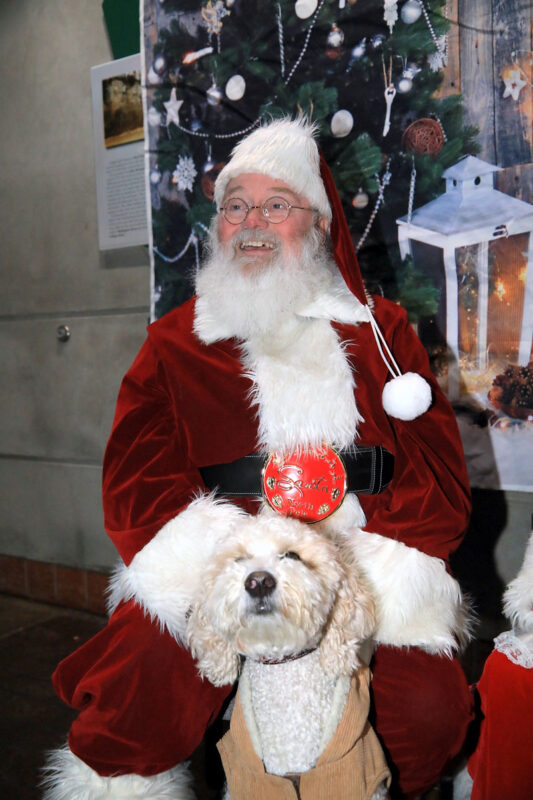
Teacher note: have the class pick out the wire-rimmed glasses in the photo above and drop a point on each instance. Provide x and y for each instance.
(275, 209)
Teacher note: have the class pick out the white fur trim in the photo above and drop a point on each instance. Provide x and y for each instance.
(68, 778)
(165, 575)
(417, 602)
(299, 376)
(406, 396)
(337, 304)
(518, 597)
(286, 150)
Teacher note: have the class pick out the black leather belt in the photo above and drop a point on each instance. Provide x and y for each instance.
(369, 470)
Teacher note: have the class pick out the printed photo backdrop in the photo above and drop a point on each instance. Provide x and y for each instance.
(425, 115)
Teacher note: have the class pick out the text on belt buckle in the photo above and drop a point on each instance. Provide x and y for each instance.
(309, 485)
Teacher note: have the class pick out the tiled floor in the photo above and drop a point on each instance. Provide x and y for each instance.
(34, 637)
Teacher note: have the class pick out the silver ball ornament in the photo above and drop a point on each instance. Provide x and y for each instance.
(341, 123)
(155, 177)
(360, 200)
(335, 37)
(154, 117)
(411, 11)
(405, 84)
(152, 77)
(159, 65)
(304, 8)
(214, 95)
(359, 50)
(235, 87)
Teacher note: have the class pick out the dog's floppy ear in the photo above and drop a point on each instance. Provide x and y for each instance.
(351, 622)
(217, 659)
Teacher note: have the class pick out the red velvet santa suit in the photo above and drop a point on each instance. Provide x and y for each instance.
(184, 404)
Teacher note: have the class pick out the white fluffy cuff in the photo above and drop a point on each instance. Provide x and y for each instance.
(164, 576)
(417, 602)
(68, 778)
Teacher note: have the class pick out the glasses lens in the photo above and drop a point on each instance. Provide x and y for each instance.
(235, 210)
(276, 209)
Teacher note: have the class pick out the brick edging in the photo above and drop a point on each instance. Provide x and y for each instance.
(53, 583)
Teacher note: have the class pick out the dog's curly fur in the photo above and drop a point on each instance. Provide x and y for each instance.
(317, 601)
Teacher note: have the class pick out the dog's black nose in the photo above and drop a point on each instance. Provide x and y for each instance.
(260, 584)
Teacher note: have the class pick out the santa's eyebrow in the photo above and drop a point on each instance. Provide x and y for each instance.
(285, 190)
(275, 189)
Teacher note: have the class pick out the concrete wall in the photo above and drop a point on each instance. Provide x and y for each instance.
(57, 400)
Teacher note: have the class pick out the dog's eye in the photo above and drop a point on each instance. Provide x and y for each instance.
(291, 554)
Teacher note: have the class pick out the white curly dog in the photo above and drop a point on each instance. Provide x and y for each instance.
(283, 596)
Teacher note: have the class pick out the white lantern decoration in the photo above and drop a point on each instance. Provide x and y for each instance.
(472, 214)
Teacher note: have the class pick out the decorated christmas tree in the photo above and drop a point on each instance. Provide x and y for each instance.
(366, 72)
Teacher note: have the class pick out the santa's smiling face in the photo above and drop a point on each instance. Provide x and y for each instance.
(256, 241)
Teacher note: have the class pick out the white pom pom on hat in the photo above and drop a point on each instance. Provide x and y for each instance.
(407, 396)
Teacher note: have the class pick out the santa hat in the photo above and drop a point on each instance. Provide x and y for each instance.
(286, 149)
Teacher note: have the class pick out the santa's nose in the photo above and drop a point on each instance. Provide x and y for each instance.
(260, 584)
(256, 218)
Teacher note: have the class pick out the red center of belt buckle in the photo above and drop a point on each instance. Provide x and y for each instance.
(310, 485)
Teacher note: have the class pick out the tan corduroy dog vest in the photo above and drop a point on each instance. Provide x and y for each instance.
(350, 768)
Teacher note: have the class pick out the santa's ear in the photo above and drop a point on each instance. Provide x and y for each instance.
(351, 623)
(217, 659)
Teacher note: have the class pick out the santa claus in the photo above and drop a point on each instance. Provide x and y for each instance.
(280, 352)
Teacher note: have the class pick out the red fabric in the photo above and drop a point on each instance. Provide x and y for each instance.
(422, 708)
(143, 707)
(502, 763)
(183, 405)
(343, 249)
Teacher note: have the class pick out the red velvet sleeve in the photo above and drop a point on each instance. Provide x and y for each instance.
(428, 505)
(147, 476)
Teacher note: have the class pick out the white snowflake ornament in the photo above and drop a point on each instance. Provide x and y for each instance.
(439, 58)
(514, 83)
(212, 14)
(184, 174)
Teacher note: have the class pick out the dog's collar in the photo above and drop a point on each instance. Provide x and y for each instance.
(285, 659)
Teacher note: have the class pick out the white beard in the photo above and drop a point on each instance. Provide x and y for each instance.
(235, 303)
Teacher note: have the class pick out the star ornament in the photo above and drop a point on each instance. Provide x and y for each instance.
(173, 108)
(514, 82)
